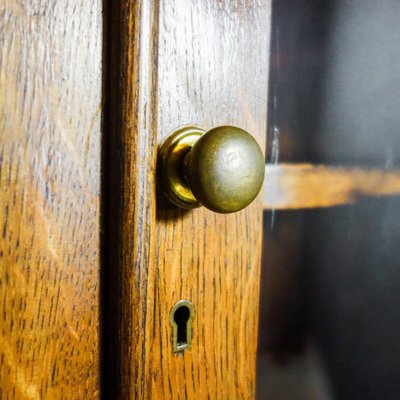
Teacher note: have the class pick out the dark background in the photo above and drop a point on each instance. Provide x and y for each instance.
(332, 276)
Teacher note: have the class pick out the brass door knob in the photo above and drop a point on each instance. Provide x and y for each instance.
(222, 169)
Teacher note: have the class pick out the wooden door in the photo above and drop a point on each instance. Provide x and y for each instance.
(144, 68)
(177, 62)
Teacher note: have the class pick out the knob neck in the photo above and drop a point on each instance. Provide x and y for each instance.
(171, 166)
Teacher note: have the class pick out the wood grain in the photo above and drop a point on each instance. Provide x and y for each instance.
(181, 62)
(129, 200)
(297, 186)
(50, 106)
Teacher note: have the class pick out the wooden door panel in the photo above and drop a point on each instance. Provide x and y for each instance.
(177, 62)
(50, 106)
(213, 70)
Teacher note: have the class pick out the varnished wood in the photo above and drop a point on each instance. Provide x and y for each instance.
(181, 62)
(296, 186)
(129, 203)
(50, 107)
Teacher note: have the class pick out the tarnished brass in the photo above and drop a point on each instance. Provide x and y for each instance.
(222, 169)
(170, 166)
(188, 308)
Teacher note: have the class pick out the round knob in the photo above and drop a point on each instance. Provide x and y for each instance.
(222, 169)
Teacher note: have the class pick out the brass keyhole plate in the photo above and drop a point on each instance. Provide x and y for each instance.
(181, 318)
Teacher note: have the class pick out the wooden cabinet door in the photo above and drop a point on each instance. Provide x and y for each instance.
(50, 112)
(80, 323)
(178, 62)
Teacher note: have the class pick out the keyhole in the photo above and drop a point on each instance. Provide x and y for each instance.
(181, 320)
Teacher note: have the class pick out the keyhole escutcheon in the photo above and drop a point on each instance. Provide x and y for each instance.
(181, 318)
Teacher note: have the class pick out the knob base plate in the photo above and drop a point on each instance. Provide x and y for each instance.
(170, 166)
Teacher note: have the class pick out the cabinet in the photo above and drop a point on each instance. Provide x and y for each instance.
(92, 257)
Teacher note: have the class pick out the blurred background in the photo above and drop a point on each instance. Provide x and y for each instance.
(330, 292)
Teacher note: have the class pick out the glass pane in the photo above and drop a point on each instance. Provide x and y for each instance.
(330, 304)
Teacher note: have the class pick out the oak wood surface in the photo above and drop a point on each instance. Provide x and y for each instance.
(296, 186)
(50, 107)
(178, 62)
